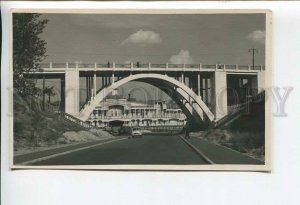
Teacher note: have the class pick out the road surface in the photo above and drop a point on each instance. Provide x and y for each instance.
(151, 149)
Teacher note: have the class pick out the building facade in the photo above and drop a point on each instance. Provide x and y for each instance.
(121, 111)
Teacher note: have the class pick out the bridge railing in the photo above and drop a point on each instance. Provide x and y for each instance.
(144, 65)
(45, 65)
(58, 65)
(75, 120)
(230, 67)
(237, 110)
(243, 67)
(86, 65)
(123, 65)
(176, 65)
(150, 66)
(135, 117)
(158, 65)
(192, 66)
(209, 66)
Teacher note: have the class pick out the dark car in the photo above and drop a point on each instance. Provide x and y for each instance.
(115, 130)
(124, 130)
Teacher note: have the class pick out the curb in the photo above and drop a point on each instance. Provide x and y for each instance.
(202, 155)
(67, 152)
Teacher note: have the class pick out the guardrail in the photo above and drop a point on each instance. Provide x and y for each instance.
(153, 66)
(164, 128)
(135, 117)
(75, 120)
(238, 110)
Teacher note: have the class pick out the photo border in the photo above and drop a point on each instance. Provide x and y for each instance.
(214, 167)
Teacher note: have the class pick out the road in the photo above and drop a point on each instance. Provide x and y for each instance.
(151, 149)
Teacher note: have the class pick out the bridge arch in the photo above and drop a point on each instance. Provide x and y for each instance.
(193, 103)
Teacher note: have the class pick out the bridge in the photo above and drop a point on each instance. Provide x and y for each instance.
(203, 92)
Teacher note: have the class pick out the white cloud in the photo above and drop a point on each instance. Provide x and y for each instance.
(182, 57)
(127, 61)
(143, 37)
(257, 36)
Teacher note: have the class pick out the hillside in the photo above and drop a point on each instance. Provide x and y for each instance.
(33, 128)
(245, 134)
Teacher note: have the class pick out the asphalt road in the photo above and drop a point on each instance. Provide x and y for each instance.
(151, 149)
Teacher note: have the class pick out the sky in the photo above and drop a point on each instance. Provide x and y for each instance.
(154, 38)
(173, 38)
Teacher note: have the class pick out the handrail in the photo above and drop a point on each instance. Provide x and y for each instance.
(240, 109)
(75, 120)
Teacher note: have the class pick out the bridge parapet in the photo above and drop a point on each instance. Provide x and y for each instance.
(150, 67)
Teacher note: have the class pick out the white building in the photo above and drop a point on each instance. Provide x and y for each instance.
(116, 109)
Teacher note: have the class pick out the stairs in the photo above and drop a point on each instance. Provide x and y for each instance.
(239, 110)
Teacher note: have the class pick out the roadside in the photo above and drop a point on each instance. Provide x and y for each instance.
(220, 154)
(53, 152)
(36, 130)
(244, 143)
(245, 134)
(68, 138)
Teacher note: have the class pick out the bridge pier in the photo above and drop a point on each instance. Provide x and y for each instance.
(219, 94)
(72, 91)
(62, 94)
(260, 81)
(95, 84)
(113, 77)
(44, 82)
(198, 84)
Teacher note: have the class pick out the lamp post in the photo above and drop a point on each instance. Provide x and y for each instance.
(253, 51)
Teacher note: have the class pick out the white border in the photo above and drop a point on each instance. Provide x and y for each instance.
(35, 187)
(235, 167)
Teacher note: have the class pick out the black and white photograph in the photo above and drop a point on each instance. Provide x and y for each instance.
(140, 89)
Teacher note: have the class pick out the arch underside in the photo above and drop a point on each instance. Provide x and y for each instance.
(191, 104)
(194, 119)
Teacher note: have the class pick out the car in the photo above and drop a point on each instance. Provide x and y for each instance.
(108, 129)
(115, 130)
(136, 132)
(125, 130)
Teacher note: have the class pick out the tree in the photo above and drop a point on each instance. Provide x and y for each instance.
(28, 50)
(50, 92)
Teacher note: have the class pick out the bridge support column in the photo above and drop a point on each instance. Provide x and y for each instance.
(44, 82)
(182, 78)
(62, 94)
(87, 88)
(91, 87)
(113, 78)
(207, 90)
(95, 84)
(198, 85)
(72, 91)
(260, 81)
(219, 94)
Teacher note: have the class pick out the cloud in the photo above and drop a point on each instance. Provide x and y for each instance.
(257, 36)
(143, 37)
(127, 61)
(182, 57)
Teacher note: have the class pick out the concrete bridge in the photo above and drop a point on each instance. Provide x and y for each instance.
(203, 92)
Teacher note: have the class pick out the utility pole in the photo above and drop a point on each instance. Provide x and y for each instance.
(253, 51)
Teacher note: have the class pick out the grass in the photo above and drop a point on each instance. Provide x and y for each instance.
(34, 128)
(246, 134)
